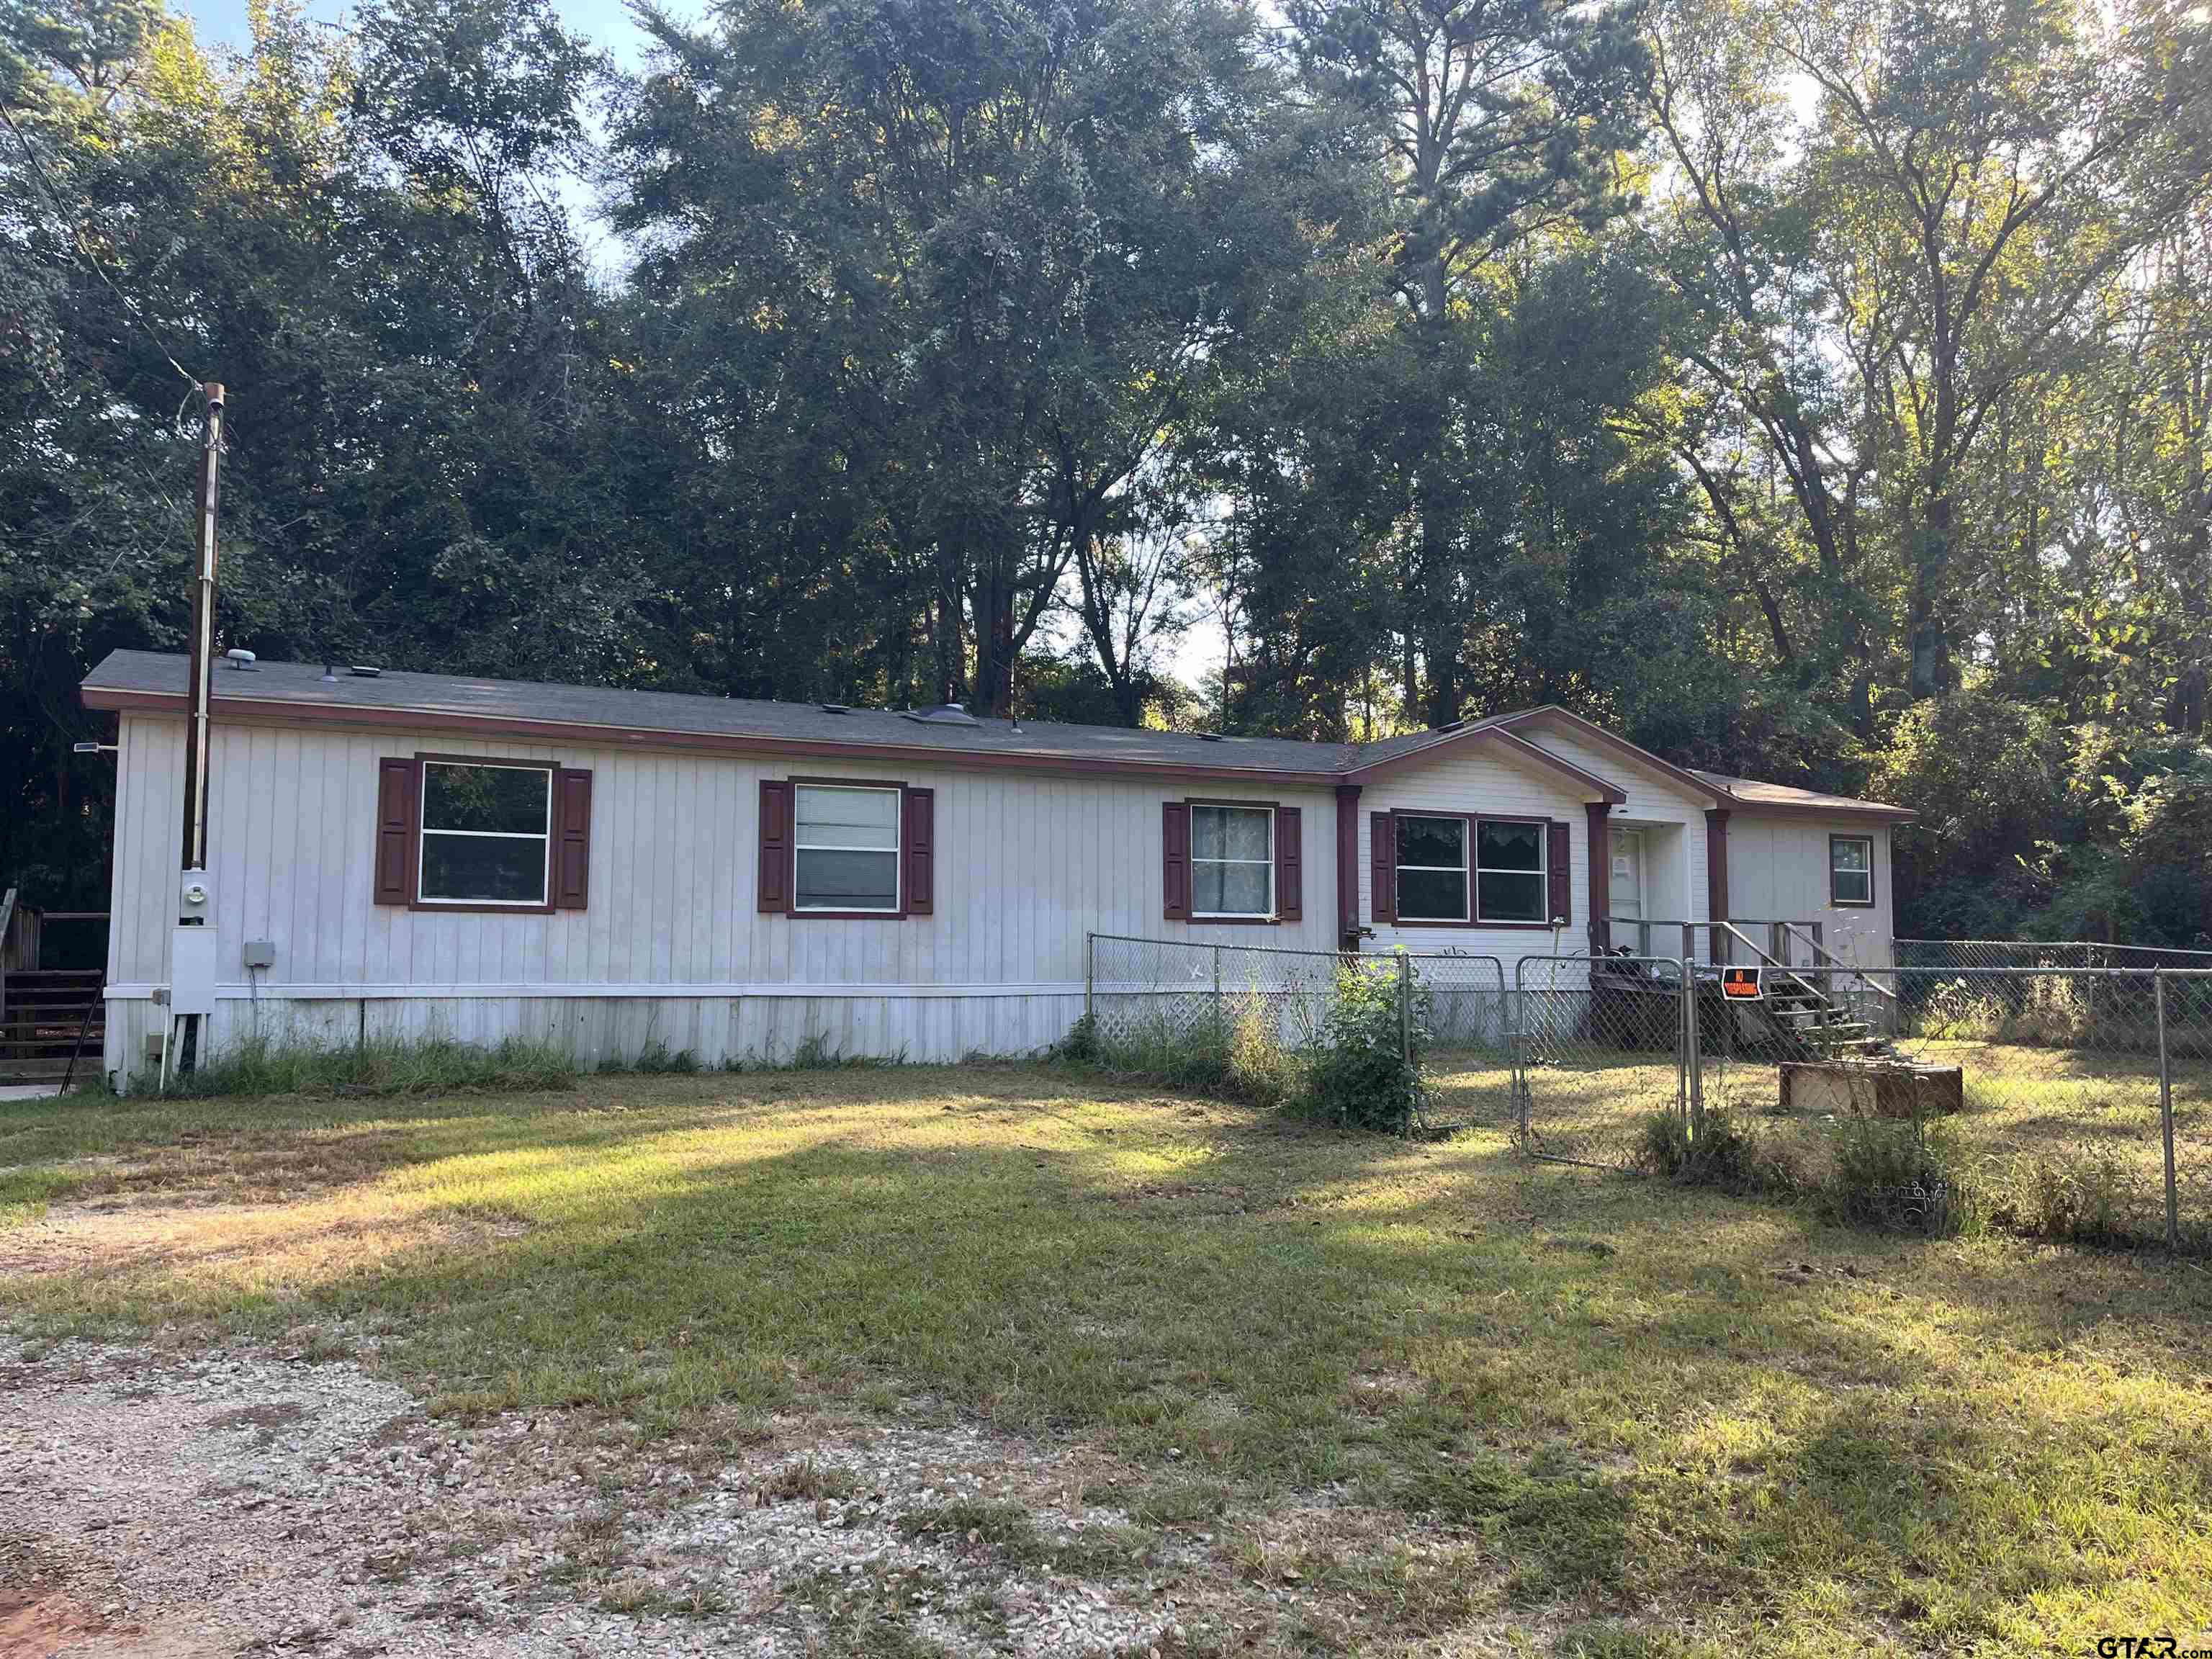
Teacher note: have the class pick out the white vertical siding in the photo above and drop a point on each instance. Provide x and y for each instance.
(1026, 866)
(1778, 872)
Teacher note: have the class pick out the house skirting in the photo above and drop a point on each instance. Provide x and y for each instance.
(610, 1026)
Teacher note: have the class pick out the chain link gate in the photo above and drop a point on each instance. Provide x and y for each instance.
(1600, 1045)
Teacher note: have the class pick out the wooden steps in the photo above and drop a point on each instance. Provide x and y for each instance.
(1812, 1024)
(50, 1015)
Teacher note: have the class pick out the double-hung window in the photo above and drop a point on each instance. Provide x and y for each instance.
(1851, 870)
(1232, 861)
(846, 842)
(1459, 868)
(1432, 869)
(487, 832)
(1510, 875)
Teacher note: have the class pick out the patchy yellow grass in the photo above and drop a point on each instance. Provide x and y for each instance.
(1642, 1419)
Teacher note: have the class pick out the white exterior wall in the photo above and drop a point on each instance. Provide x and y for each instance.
(1674, 884)
(671, 949)
(1778, 872)
(1466, 778)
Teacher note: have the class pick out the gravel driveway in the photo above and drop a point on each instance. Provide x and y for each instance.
(216, 1501)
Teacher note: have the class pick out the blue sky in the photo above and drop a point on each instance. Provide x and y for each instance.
(605, 23)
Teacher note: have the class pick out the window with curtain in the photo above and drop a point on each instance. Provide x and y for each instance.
(1232, 861)
(1850, 870)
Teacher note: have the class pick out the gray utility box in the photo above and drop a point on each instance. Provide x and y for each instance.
(1871, 1088)
(192, 970)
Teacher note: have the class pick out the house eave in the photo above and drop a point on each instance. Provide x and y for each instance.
(287, 713)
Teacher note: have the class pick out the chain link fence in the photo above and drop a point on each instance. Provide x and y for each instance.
(1953, 953)
(1185, 1009)
(1599, 1052)
(2067, 1101)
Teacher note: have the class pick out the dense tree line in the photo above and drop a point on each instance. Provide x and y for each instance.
(1820, 389)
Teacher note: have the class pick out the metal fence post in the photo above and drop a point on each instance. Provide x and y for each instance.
(1406, 1030)
(1218, 1028)
(2165, 1113)
(1516, 1011)
(1692, 1056)
(1090, 982)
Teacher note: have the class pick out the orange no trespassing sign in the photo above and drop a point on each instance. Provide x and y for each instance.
(1741, 984)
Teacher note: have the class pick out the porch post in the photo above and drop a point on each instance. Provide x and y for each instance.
(1716, 892)
(1600, 876)
(1347, 866)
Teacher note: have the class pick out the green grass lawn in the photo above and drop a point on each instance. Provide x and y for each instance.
(1634, 1419)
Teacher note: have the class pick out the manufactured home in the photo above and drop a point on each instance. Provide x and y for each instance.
(432, 854)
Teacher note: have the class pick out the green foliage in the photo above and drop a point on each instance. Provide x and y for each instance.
(1366, 1069)
(2038, 1012)
(1238, 1056)
(657, 1059)
(1351, 1069)
(1861, 1171)
(379, 1067)
(978, 351)
(1897, 1176)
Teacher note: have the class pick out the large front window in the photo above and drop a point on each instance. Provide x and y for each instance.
(1232, 861)
(847, 841)
(486, 829)
(1452, 868)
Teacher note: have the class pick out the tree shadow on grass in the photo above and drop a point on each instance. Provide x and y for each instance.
(1629, 1394)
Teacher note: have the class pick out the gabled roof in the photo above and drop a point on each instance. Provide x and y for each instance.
(1491, 733)
(553, 714)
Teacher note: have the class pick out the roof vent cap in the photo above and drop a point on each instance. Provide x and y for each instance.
(239, 658)
(950, 713)
(835, 708)
(1449, 725)
(1209, 737)
(366, 670)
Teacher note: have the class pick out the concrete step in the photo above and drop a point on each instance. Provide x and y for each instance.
(46, 1071)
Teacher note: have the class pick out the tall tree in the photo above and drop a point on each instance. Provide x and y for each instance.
(1012, 235)
(1497, 118)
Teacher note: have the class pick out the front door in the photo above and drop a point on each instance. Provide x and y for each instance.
(1626, 888)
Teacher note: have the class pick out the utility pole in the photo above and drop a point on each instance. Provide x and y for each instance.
(201, 690)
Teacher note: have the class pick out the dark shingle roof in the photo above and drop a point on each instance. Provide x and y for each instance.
(1752, 794)
(282, 689)
(301, 686)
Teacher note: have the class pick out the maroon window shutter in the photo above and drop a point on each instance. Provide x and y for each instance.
(1174, 859)
(572, 839)
(1383, 860)
(1559, 862)
(396, 781)
(920, 851)
(1290, 867)
(776, 873)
